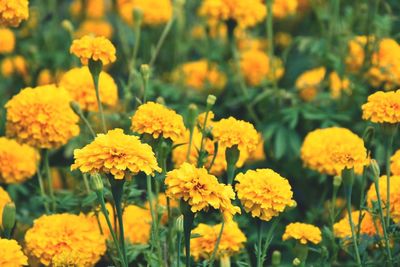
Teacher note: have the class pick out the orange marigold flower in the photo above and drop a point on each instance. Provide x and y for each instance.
(79, 83)
(264, 193)
(11, 254)
(342, 228)
(231, 242)
(284, 8)
(395, 163)
(356, 53)
(14, 65)
(65, 239)
(330, 150)
(200, 190)
(338, 85)
(93, 8)
(117, 154)
(4, 199)
(18, 162)
(308, 83)
(382, 107)
(45, 77)
(7, 41)
(13, 12)
(93, 48)
(255, 66)
(157, 120)
(302, 232)
(154, 12)
(41, 117)
(96, 28)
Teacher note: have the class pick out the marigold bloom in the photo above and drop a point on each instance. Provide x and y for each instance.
(230, 132)
(93, 8)
(79, 83)
(330, 150)
(13, 12)
(284, 8)
(264, 193)
(117, 154)
(302, 232)
(202, 247)
(395, 163)
(65, 236)
(382, 107)
(200, 190)
(342, 228)
(4, 199)
(308, 83)
(338, 85)
(254, 65)
(96, 28)
(154, 12)
(394, 195)
(41, 117)
(356, 53)
(94, 48)
(11, 254)
(157, 120)
(7, 41)
(14, 65)
(201, 75)
(17, 162)
(246, 13)
(45, 77)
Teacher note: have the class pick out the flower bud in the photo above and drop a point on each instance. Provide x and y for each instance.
(348, 176)
(145, 71)
(337, 181)
(179, 224)
(211, 100)
(160, 100)
(8, 217)
(97, 182)
(368, 136)
(137, 16)
(276, 258)
(374, 167)
(296, 262)
(67, 25)
(76, 107)
(192, 116)
(232, 155)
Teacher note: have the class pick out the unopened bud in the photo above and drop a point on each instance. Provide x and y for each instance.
(232, 155)
(374, 167)
(160, 100)
(145, 71)
(137, 16)
(348, 176)
(211, 100)
(296, 262)
(368, 136)
(76, 107)
(337, 181)
(97, 182)
(276, 258)
(8, 217)
(67, 25)
(192, 116)
(179, 224)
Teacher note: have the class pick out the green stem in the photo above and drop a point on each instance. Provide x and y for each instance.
(188, 218)
(96, 88)
(388, 151)
(210, 264)
(269, 237)
(179, 240)
(270, 37)
(137, 43)
(200, 160)
(332, 221)
(231, 172)
(348, 191)
(259, 243)
(42, 190)
(191, 131)
(49, 179)
(161, 41)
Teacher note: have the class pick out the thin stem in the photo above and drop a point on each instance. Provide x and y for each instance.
(179, 240)
(388, 154)
(191, 131)
(49, 178)
(203, 137)
(210, 264)
(188, 219)
(96, 87)
(87, 123)
(270, 37)
(230, 172)
(160, 42)
(348, 191)
(137, 43)
(332, 220)
(259, 243)
(42, 190)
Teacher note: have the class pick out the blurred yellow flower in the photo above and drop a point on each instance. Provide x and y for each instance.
(13, 12)
(303, 232)
(255, 66)
(94, 48)
(394, 195)
(18, 162)
(395, 163)
(45, 77)
(79, 83)
(338, 85)
(14, 65)
(154, 12)
(4, 199)
(342, 228)
(283, 39)
(96, 28)
(92, 8)
(309, 82)
(201, 75)
(11, 254)
(74, 238)
(264, 193)
(158, 121)
(382, 107)
(41, 117)
(7, 41)
(356, 53)
(231, 242)
(117, 154)
(200, 190)
(330, 150)
(284, 8)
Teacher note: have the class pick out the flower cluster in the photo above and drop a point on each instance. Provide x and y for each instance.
(11, 254)
(4, 199)
(255, 66)
(13, 12)
(382, 107)
(117, 154)
(154, 12)
(93, 48)
(79, 83)
(342, 228)
(302, 232)
(264, 193)
(7, 41)
(231, 242)
(309, 82)
(17, 162)
(331, 150)
(41, 117)
(69, 237)
(200, 190)
(158, 121)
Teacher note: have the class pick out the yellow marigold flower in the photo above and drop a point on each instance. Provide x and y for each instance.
(230, 132)
(247, 13)
(259, 153)
(394, 195)
(93, 8)
(330, 150)
(162, 206)
(255, 66)
(154, 12)
(308, 83)
(231, 242)
(157, 120)
(382, 107)
(11, 254)
(7, 41)
(342, 228)
(201, 75)
(356, 53)
(4, 199)
(41, 117)
(14, 65)
(94, 48)
(264, 193)
(117, 154)
(200, 190)
(17, 161)
(395, 163)
(96, 28)
(284, 8)
(79, 83)
(338, 85)
(303, 232)
(54, 236)
(276, 69)
(45, 77)
(13, 12)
